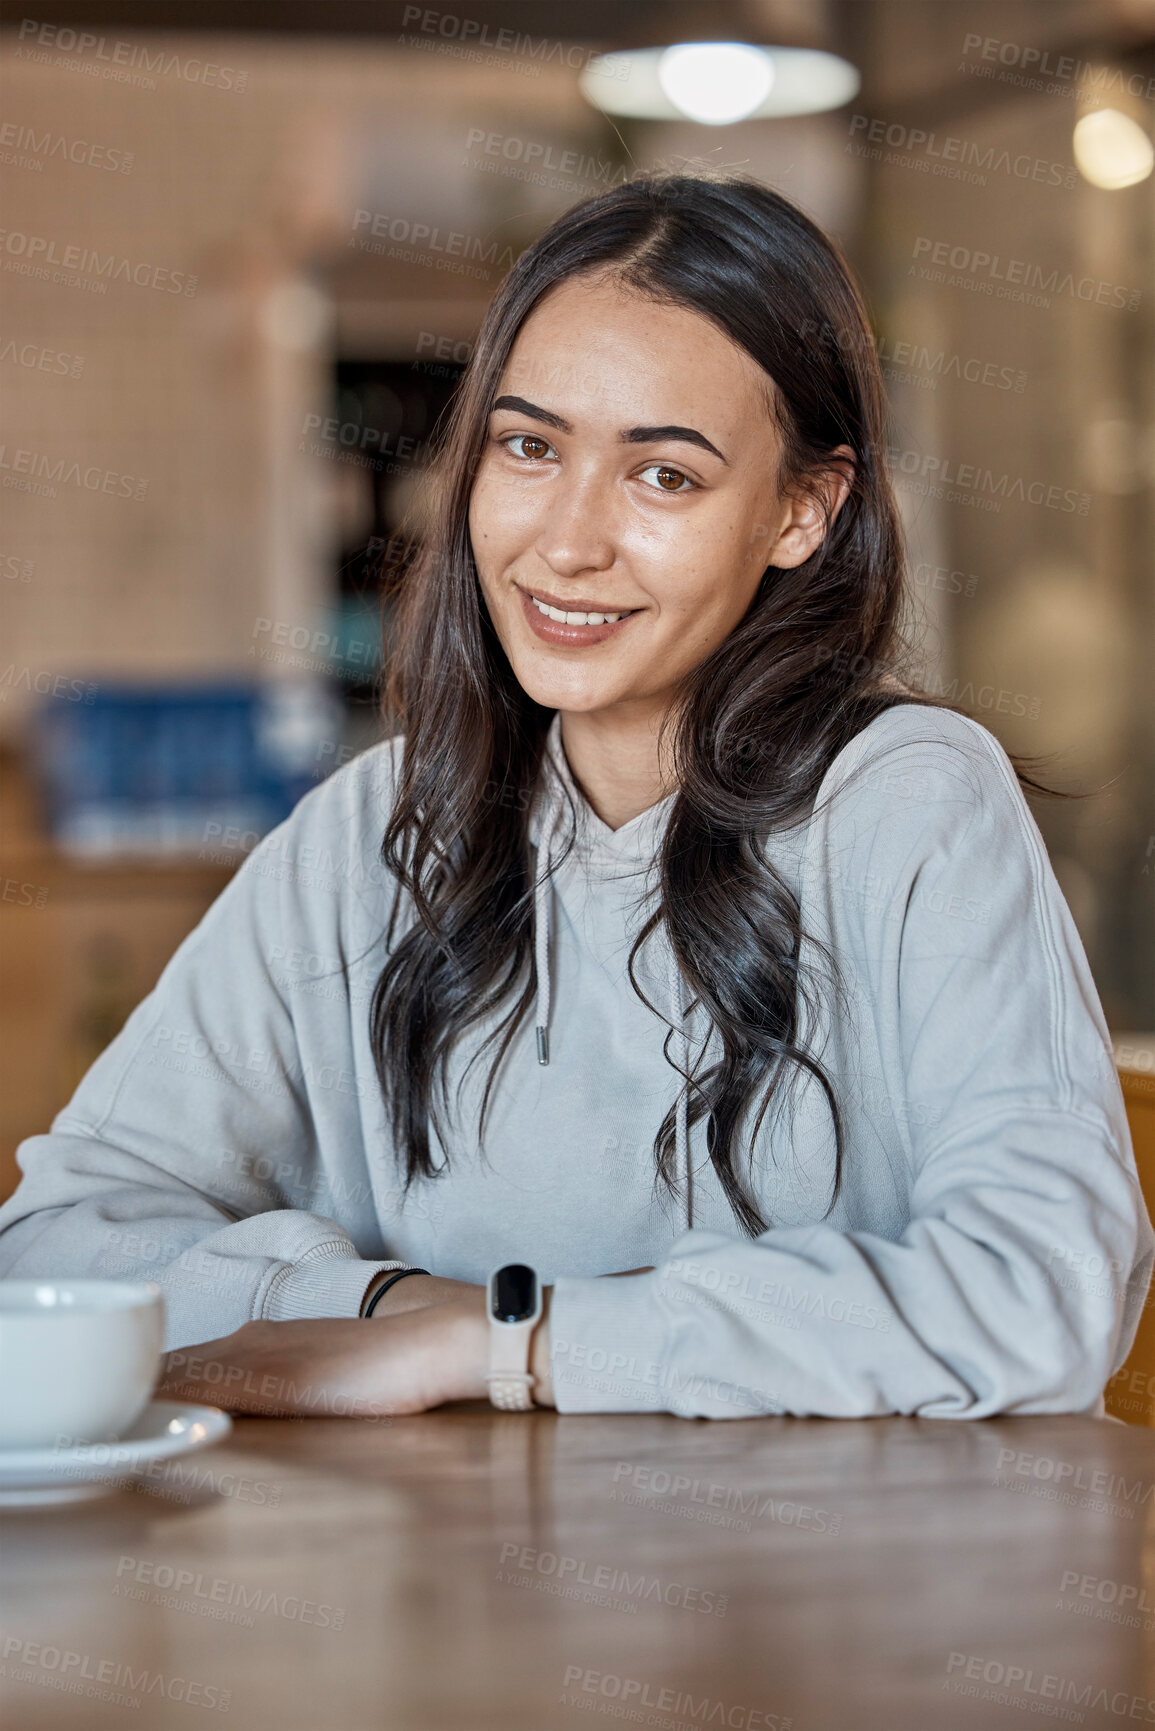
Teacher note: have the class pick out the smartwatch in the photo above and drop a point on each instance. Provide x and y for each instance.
(513, 1295)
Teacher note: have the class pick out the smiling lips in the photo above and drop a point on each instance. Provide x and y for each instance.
(574, 616)
(573, 627)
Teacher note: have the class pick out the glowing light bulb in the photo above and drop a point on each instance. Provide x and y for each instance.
(716, 83)
(1112, 150)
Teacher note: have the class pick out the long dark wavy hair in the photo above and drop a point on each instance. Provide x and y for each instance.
(751, 735)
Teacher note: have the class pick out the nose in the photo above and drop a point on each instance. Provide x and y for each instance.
(576, 533)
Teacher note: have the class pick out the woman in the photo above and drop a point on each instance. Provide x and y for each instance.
(698, 947)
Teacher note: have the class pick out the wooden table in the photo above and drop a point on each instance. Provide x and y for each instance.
(469, 1569)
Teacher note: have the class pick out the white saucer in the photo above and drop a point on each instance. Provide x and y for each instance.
(31, 1477)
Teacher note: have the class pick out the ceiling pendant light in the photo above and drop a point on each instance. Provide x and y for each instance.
(718, 83)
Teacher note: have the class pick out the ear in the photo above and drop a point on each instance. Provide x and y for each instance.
(809, 513)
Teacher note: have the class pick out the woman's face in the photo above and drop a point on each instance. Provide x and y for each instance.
(629, 475)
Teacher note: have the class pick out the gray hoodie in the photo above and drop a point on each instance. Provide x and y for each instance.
(988, 1250)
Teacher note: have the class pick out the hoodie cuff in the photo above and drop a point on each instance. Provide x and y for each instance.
(607, 1339)
(328, 1283)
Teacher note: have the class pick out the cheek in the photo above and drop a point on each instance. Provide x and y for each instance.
(480, 516)
(500, 518)
(704, 571)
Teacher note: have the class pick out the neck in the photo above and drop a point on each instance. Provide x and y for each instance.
(615, 762)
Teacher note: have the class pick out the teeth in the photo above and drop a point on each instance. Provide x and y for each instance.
(574, 618)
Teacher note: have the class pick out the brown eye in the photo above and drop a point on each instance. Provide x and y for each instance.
(668, 480)
(531, 445)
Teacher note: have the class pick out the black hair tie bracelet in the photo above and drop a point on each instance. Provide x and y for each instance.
(392, 1281)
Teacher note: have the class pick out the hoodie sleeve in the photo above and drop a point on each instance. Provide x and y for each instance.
(1017, 1283)
(189, 1154)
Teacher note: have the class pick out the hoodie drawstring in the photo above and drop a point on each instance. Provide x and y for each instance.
(542, 936)
(681, 1111)
(542, 908)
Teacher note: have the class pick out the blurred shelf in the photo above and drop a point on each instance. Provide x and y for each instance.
(81, 943)
(27, 850)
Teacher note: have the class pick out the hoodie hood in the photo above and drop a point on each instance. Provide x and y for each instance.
(565, 829)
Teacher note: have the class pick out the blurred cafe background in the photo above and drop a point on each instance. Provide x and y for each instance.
(244, 252)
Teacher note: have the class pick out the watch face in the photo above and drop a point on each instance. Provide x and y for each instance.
(514, 1293)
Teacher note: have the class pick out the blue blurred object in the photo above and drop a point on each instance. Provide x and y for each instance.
(175, 769)
(355, 639)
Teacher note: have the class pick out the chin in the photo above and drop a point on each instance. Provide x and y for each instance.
(550, 687)
(555, 695)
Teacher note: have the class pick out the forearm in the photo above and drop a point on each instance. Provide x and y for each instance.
(433, 1353)
(414, 1292)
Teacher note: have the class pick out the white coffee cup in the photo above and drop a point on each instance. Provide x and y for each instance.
(78, 1359)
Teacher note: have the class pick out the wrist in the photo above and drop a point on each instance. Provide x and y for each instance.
(387, 1277)
(540, 1359)
(469, 1319)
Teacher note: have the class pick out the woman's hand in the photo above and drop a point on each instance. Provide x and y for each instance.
(342, 1368)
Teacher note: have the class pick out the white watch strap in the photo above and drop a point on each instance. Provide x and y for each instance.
(509, 1379)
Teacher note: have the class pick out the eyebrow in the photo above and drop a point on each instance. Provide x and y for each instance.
(631, 435)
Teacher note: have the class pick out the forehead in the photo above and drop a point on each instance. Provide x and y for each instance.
(592, 346)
